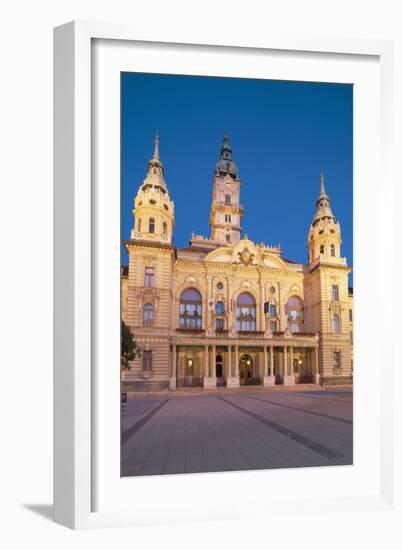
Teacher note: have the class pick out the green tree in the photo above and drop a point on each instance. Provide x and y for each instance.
(129, 350)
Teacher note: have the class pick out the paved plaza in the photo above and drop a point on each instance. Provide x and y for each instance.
(236, 431)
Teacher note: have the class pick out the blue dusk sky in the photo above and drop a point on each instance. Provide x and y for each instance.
(282, 135)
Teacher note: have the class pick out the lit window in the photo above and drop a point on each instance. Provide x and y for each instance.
(148, 314)
(147, 360)
(149, 277)
(190, 309)
(246, 313)
(335, 323)
(151, 225)
(335, 293)
(295, 314)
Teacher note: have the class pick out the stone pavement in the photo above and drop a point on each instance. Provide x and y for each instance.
(236, 431)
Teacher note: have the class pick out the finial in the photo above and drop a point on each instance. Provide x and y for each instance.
(322, 184)
(156, 148)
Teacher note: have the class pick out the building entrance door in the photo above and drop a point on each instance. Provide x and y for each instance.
(245, 370)
(219, 370)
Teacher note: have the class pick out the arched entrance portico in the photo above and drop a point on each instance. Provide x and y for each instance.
(246, 370)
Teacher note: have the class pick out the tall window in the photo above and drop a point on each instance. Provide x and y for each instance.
(219, 325)
(332, 250)
(246, 313)
(164, 228)
(335, 323)
(149, 277)
(147, 360)
(148, 314)
(322, 249)
(139, 225)
(295, 314)
(151, 225)
(190, 309)
(335, 293)
(227, 199)
(228, 237)
(350, 315)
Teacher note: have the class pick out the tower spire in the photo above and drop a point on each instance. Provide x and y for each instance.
(226, 165)
(322, 184)
(156, 146)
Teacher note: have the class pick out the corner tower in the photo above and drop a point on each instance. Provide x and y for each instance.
(324, 237)
(153, 209)
(226, 211)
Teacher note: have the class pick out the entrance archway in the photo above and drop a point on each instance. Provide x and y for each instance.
(245, 370)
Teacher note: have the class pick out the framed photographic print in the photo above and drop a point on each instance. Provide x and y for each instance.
(215, 206)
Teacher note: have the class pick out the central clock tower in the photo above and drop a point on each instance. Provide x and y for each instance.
(226, 211)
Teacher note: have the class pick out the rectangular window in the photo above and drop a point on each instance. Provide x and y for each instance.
(350, 315)
(335, 293)
(227, 199)
(147, 360)
(219, 325)
(272, 311)
(149, 277)
(273, 326)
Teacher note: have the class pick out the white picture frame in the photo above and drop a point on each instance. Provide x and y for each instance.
(80, 486)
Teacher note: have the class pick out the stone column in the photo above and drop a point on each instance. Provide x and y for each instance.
(236, 361)
(317, 374)
(285, 366)
(206, 361)
(172, 379)
(268, 379)
(210, 380)
(292, 378)
(271, 373)
(232, 381)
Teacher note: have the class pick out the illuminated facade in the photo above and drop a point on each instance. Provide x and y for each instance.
(225, 311)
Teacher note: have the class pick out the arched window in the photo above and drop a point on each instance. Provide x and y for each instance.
(151, 225)
(322, 249)
(190, 309)
(148, 314)
(246, 313)
(164, 228)
(332, 250)
(335, 323)
(295, 313)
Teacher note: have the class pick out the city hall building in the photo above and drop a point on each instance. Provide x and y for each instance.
(225, 311)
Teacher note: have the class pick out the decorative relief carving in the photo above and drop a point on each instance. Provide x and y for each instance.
(246, 284)
(148, 296)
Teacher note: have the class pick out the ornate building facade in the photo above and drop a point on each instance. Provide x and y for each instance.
(226, 311)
